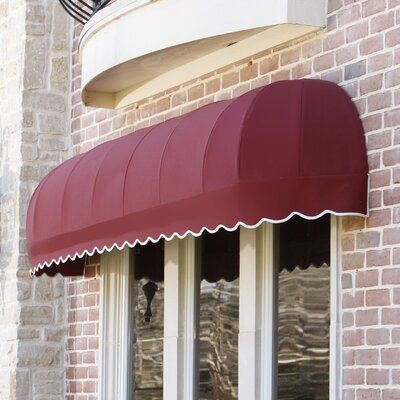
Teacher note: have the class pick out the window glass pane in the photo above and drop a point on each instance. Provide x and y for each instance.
(219, 316)
(303, 309)
(149, 329)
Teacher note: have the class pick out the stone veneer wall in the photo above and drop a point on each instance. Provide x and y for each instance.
(359, 50)
(34, 138)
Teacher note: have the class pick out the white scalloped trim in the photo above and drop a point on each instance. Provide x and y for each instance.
(36, 269)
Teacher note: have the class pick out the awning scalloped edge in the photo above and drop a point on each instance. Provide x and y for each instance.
(88, 253)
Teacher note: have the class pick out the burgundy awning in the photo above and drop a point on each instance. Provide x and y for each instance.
(292, 147)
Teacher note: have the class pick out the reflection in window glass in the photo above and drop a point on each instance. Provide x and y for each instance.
(303, 310)
(148, 346)
(219, 328)
(219, 316)
(148, 331)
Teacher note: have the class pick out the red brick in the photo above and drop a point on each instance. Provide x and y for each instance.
(353, 261)
(163, 104)
(269, 64)
(90, 271)
(89, 387)
(391, 235)
(353, 338)
(348, 357)
(375, 199)
(392, 118)
(348, 15)
(89, 329)
(324, 62)
(367, 317)
(377, 258)
(353, 376)
(367, 239)
(81, 372)
(366, 278)
(371, 7)
(391, 276)
(346, 54)
(81, 287)
(196, 92)
(390, 356)
(366, 356)
(353, 223)
(378, 336)
(392, 37)
(391, 316)
(88, 357)
(81, 315)
(396, 175)
(333, 40)
(379, 218)
(392, 78)
(379, 179)
(353, 300)
(390, 394)
(349, 394)
(289, 57)
(396, 296)
(372, 122)
(347, 319)
(94, 285)
(250, 71)
(280, 75)
(213, 86)
(230, 79)
(371, 44)
(179, 99)
(89, 300)
(371, 84)
(396, 256)
(379, 101)
(348, 242)
(380, 61)
(377, 297)
(396, 336)
(377, 376)
(93, 372)
(301, 70)
(382, 22)
(357, 31)
(391, 157)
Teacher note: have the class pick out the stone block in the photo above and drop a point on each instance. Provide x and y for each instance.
(39, 355)
(36, 315)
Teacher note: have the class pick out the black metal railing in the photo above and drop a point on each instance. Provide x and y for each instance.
(82, 10)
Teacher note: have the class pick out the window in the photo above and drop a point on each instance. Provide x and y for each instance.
(219, 316)
(234, 315)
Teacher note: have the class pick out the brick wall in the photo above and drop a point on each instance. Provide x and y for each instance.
(83, 333)
(360, 51)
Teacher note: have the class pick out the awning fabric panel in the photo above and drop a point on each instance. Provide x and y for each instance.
(292, 147)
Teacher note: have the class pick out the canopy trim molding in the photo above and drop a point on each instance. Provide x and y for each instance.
(289, 148)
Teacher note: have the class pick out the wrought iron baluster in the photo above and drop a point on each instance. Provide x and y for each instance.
(83, 10)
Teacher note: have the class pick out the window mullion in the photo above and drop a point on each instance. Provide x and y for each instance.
(256, 314)
(189, 305)
(115, 324)
(181, 296)
(248, 363)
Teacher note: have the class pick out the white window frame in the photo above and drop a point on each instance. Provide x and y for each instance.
(257, 318)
